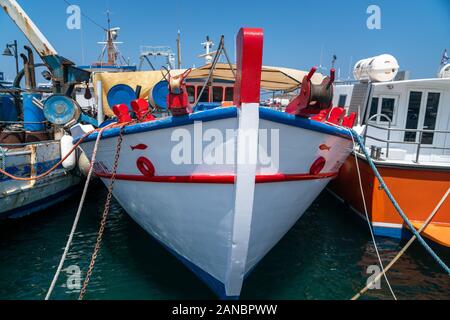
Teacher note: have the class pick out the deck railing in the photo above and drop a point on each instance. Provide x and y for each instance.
(419, 145)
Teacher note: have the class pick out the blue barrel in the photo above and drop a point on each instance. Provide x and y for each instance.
(32, 113)
(158, 95)
(8, 110)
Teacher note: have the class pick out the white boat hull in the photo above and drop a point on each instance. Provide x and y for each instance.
(193, 209)
(22, 198)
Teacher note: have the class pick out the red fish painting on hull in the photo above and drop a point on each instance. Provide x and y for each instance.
(324, 147)
(139, 147)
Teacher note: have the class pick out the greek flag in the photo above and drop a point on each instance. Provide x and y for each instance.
(444, 60)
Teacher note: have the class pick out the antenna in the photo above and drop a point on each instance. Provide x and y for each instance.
(179, 49)
(321, 58)
(333, 61)
(109, 19)
(208, 55)
(350, 67)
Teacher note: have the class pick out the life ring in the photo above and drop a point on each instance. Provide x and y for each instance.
(146, 167)
(317, 166)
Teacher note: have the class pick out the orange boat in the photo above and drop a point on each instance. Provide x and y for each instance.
(406, 127)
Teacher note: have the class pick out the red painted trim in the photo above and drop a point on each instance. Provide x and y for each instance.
(249, 56)
(218, 179)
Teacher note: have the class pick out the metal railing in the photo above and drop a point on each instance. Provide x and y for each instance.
(389, 142)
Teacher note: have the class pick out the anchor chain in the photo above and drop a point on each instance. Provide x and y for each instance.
(104, 217)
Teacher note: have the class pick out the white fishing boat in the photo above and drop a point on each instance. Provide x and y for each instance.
(219, 188)
(21, 198)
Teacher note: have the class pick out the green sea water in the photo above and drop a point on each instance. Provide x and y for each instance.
(324, 256)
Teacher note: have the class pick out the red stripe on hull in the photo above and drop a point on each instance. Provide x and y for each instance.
(217, 179)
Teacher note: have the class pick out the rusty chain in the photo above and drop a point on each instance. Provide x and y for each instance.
(104, 217)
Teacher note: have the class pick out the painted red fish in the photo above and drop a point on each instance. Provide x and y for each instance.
(324, 147)
(139, 147)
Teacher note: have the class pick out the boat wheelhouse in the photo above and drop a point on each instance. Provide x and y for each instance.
(406, 127)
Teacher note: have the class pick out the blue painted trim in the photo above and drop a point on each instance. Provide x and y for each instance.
(304, 123)
(24, 170)
(169, 122)
(224, 113)
(39, 205)
(395, 233)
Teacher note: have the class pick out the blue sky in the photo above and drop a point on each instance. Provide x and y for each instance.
(415, 32)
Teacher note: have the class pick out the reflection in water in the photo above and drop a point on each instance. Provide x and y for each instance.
(325, 256)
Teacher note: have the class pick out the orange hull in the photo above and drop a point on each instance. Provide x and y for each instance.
(417, 191)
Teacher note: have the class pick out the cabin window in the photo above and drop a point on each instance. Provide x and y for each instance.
(431, 112)
(191, 94)
(217, 94)
(205, 94)
(374, 107)
(385, 106)
(342, 100)
(229, 94)
(412, 120)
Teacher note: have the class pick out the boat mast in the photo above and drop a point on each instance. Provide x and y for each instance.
(112, 54)
(110, 44)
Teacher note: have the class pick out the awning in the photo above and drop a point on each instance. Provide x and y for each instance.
(272, 78)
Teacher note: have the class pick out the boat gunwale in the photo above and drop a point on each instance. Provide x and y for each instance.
(220, 114)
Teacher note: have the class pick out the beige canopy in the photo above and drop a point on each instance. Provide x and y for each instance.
(272, 78)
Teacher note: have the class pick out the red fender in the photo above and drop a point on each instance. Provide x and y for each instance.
(122, 113)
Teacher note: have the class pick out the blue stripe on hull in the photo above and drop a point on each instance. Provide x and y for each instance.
(39, 205)
(396, 233)
(23, 171)
(225, 113)
(169, 122)
(304, 123)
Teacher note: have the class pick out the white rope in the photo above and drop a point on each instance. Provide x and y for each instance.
(77, 216)
(368, 221)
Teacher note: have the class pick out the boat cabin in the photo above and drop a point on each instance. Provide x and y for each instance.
(218, 92)
(407, 120)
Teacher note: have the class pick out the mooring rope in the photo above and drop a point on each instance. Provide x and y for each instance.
(396, 205)
(401, 252)
(370, 226)
(77, 216)
(104, 216)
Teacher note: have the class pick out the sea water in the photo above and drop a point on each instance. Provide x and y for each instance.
(326, 255)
